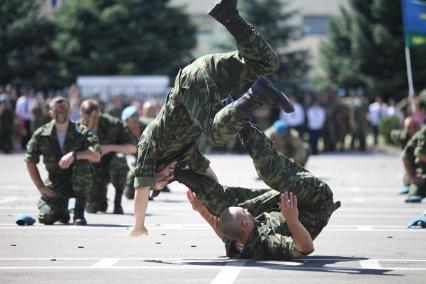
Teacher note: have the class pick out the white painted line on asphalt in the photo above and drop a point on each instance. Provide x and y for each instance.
(105, 263)
(354, 189)
(230, 272)
(358, 199)
(8, 199)
(365, 228)
(370, 264)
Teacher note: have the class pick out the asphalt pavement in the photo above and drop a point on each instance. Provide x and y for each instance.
(366, 240)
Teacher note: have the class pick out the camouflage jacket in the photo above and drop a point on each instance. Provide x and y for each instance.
(111, 131)
(272, 238)
(415, 148)
(44, 142)
(170, 137)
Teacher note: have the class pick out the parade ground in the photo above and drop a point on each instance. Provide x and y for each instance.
(366, 240)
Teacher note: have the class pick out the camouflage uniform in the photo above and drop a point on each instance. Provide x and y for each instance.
(272, 238)
(112, 167)
(290, 145)
(401, 137)
(194, 106)
(129, 191)
(72, 182)
(415, 148)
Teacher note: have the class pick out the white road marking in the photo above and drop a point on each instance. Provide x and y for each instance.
(105, 263)
(354, 189)
(230, 272)
(370, 264)
(365, 228)
(8, 199)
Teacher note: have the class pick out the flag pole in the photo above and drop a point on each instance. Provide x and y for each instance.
(410, 78)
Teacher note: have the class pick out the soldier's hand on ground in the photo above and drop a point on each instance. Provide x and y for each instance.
(196, 203)
(66, 161)
(137, 232)
(47, 191)
(288, 206)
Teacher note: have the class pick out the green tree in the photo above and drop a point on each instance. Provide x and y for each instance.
(271, 18)
(365, 48)
(25, 36)
(114, 37)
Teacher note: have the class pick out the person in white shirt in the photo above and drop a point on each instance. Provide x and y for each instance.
(23, 112)
(316, 120)
(295, 119)
(376, 111)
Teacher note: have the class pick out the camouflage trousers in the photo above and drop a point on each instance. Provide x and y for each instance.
(75, 183)
(417, 190)
(115, 172)
(315, 199)
(129, 191)
(208, 80)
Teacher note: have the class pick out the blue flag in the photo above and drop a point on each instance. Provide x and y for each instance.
(414, 13)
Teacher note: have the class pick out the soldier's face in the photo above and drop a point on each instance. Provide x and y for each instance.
(91, 120)
(60, 112)
(164, 175)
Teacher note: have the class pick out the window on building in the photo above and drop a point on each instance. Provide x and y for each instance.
(315, 25)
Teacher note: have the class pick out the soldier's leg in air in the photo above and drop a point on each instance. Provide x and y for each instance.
(282, 174)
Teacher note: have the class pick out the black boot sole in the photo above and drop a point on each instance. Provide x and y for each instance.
(222, 9)
(264, 88)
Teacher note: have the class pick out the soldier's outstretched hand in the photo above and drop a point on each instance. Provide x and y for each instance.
(137, 232)
(288, 206)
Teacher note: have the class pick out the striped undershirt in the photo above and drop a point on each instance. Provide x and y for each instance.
(61, 138)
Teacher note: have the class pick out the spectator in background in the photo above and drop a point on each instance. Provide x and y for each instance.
(6, 123)
(24, 114)
(358, 118)
(376, 111)
(39, 112)
(288, 142)
(295, 120)
(75, 101)
(393, 109)
(316, 120)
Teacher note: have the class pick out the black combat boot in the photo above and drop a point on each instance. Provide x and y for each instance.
(262, 92)
(80, 204)
(226, 13)
(118, 209)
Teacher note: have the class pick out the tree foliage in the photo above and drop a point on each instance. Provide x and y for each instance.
(25, 54)
(114, 37)
(365, 48)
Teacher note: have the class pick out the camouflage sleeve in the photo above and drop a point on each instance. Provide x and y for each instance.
(33, 152)
(408, 151)
(279, 247)
(146, 164)
(91, 141)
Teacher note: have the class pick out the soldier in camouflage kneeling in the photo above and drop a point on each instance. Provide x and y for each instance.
(277, 223)
(67, 150)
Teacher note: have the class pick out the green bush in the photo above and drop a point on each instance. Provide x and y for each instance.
(387, 124)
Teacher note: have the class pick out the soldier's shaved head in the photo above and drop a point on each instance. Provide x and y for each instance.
(233, 222)
(89, 106)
